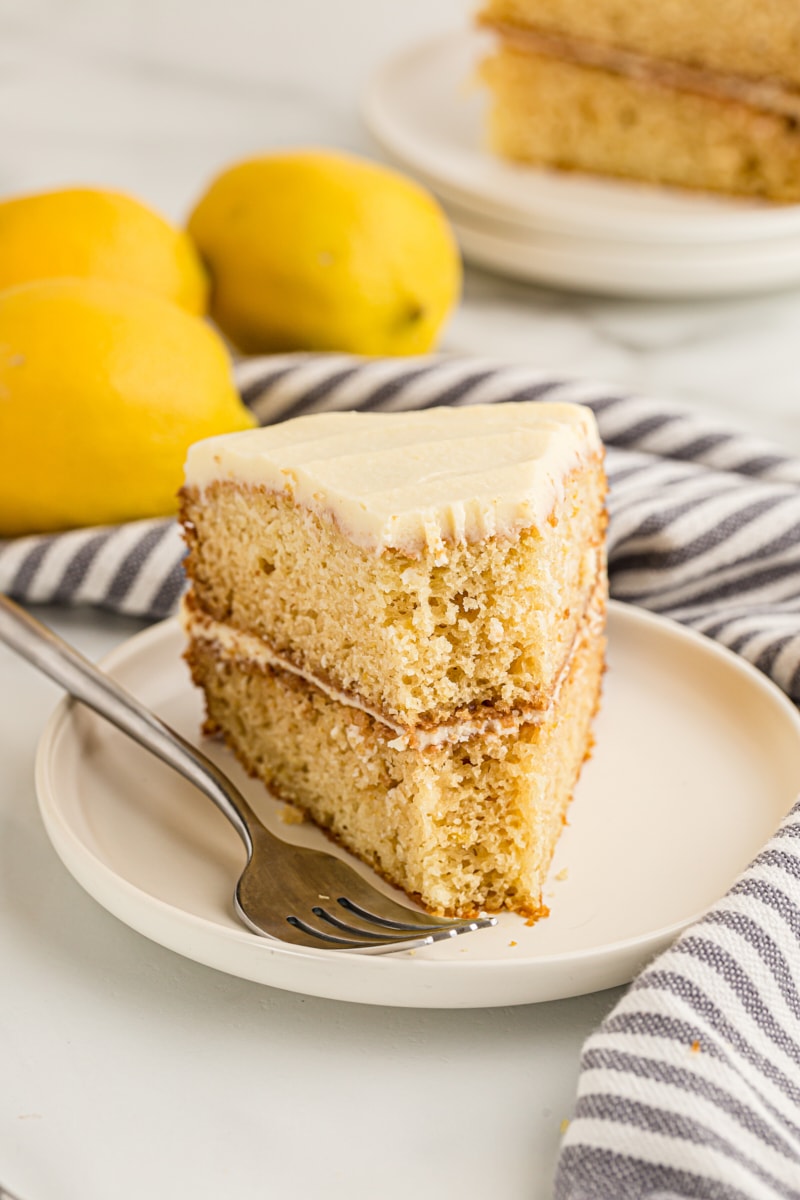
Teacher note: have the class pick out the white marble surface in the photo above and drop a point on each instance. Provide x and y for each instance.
(125, 1070)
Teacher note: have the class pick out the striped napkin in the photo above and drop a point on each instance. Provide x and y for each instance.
(691, 1087)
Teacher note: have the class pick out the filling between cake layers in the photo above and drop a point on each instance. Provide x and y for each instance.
(235, 644)
(765, 94)
(462, 825)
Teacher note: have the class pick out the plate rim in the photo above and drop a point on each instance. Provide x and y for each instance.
(604, 272)
(80, 861)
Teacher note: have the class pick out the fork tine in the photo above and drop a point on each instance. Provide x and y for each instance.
(379, 940)
(324, 936)
(424, 924)
(310, 936)
(383, 936)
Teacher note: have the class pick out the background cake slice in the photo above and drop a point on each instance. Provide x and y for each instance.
(701, 95)
(397, 622)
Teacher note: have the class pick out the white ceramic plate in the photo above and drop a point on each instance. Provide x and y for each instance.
(426, 110)
(697, 760)
(625, 268)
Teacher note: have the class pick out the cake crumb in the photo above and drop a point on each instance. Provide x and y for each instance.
(291, 815)
(512, 943)
(495, 631)
(565, 1125)
(562, 875)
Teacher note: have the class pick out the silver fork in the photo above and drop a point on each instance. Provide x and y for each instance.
(292, 893)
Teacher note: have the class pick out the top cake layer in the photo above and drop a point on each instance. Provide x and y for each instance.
(412, 482)
(728, 36)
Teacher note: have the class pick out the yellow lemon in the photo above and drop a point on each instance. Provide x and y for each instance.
(315, 250)
(102, 389)
(89, 233)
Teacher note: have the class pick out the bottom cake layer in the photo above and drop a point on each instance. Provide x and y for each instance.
(573, 116)
(460, 827)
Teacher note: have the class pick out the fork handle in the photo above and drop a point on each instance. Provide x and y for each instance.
(67, 667)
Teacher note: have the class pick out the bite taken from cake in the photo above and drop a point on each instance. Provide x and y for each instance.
(397, 621)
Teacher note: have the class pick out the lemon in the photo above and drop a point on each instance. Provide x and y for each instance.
(316, 250)
(102, 389)
(89, 233)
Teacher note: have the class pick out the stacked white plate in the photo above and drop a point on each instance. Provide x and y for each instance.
(427, 112)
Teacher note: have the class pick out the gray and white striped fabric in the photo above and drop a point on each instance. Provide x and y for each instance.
(691, 1088)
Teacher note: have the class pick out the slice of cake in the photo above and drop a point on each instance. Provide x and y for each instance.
(699, 94)
(397, 623)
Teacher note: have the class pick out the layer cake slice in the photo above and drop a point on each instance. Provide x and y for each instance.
(397, 623)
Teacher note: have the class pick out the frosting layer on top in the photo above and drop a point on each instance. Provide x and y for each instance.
(412, 481)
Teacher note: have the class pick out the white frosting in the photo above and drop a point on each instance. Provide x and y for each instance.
(415, 480)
